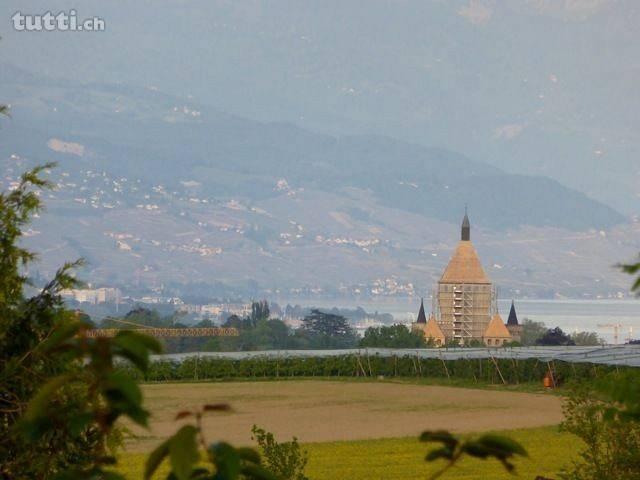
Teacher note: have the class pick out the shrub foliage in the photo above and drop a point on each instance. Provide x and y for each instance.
(486, 370)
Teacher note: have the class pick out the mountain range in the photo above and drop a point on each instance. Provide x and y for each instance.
(159, 190)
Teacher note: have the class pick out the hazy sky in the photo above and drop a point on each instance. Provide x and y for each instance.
(535, 86)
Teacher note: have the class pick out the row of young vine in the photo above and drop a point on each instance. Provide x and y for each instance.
(487, 370)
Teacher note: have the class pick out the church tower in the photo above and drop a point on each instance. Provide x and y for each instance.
(465, 295)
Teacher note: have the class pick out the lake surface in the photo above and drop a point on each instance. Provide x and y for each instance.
(570, 315)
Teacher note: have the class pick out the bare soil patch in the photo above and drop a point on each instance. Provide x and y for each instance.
(318, 411)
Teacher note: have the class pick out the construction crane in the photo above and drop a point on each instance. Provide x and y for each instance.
(165, 331)
(616, 330)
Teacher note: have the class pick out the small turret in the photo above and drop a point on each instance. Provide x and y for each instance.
(513, 318)
(422, 318)
(514, 327)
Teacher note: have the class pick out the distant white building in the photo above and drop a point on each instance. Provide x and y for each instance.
(217, 309)
(93, 295)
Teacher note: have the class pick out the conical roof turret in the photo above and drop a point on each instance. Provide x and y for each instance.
(422, 318)
(513, 318)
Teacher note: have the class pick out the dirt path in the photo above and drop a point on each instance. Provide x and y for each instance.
(326, 410)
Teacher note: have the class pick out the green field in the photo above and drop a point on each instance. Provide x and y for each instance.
(364, 430)
(402, 458)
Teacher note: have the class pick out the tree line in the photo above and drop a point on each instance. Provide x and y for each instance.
(319, 330)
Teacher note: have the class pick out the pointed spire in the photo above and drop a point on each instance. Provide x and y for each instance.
(513, 318)
(466, 227)
(422, 318)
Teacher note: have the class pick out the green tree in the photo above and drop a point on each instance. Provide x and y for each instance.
(60, 394)
(586, 339)
(259, 311)
(263, 335)
(234, 321)
(532, 331)
(24, 324)
(327, 330)
(555, 337)
(394, 336)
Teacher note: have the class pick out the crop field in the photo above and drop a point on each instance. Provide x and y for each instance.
(327, 411)
(403, 458)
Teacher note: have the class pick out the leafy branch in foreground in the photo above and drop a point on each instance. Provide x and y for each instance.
(17, 207)
(605, 415)
(633, 269)
(107, 394)
(61, 392)
(487, 446)
(222, 461)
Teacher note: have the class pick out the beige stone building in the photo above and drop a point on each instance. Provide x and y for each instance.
(465, 307)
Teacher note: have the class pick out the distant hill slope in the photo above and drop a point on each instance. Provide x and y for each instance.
(158, 191)
(143, 134)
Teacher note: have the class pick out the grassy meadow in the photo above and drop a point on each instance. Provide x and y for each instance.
(403, 458)
(356, 430)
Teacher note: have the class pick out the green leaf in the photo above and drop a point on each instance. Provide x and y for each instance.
(249, 455)
(200, 473)
(123, 385)
(60, 334)
(226, 460)
(150, 343)
(79, 422)
(439, 453)
(155, 459)
(124, 397)
(475, 449)
(256, 472)
(135, 347)
(183, 452)
(38, 405)
(111, 476)
(501, 446)
(440, 436)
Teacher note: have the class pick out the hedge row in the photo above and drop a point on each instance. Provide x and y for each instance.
(479, 370)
